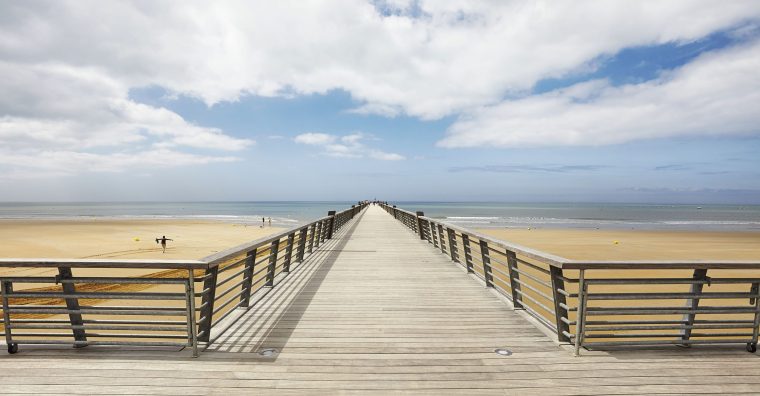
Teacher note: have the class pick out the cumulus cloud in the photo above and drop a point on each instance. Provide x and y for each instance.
(383, 156)
(29, 164)
(347, 146)
(314, 138)
(716, 94)
(431, 59)
(68, 66)
(54, 116)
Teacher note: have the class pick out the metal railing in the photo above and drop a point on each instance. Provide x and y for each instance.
(608, 303)
(185, 303)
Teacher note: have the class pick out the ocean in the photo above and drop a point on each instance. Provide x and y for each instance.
(592, 215)
(466, 214)
(283, 214)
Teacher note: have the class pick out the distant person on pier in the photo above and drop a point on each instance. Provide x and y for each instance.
(163, 240)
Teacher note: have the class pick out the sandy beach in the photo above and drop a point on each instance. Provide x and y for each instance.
(124, 239)
(642, 245)
(636, 244)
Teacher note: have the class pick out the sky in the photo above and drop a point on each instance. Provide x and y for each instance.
(517, 101)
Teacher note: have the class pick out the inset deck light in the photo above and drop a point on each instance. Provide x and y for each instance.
(503, 352)
(268, 352)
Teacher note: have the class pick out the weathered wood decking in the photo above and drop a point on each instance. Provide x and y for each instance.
(377, 310)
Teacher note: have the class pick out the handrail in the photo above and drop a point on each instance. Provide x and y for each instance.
(243, 274)
(566, 263)
(537, 282)
(219, 257)
(102, 263)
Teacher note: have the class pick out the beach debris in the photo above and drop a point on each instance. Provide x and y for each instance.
(136, 239)
(616, 242)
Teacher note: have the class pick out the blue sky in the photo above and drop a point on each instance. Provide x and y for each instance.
(661, 108)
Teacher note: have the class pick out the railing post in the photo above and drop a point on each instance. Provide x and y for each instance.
(433, 234)
(207, 304)
(580, 319)
(467, 252)
(318, 234)
(72, 304)
(486, 258)
(331, 226)
(513, 277)
(752, 346)
(560, 302)
(419, 224)
(353, 211)
(394, 212)
(288, 252)
(7, 288)
(273, 250)
(191, 325)
(250, 263)
(692, 304)
(440, 238)
(301, 244)
(452, 245)
(312, 231)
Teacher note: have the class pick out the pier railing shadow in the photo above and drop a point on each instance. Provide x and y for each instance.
(266, 328)
(607, 304)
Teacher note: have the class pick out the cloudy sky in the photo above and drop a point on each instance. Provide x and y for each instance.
(637, 101)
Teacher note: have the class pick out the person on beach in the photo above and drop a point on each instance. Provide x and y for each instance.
(270, 221)
(262, 222)
(163, 240)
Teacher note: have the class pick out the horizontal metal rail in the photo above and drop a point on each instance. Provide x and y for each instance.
(73, 307)
(551, 288)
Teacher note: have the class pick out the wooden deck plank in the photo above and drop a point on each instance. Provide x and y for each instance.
(378, 311)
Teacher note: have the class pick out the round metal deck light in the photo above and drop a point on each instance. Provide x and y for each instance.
(268, 352)
(503, 352)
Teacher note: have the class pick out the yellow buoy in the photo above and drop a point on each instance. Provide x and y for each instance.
(616, 242)
(136, 239)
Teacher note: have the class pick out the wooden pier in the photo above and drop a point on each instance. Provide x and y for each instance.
(377, 310)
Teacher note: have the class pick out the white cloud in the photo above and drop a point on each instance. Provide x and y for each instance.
(448, 57)
(350, 146)
(716, 94)
(381, 155)
(49, 163)
(314, 138)
(67, 67)
(63, 113)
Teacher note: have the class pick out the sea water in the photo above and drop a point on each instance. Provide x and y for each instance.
(467, 214)
(283, 214)
(592, 215)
